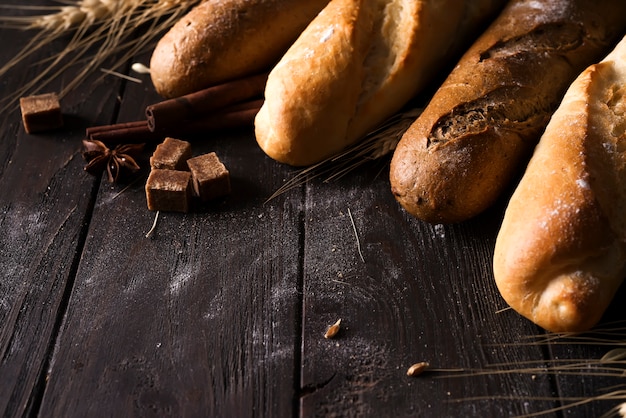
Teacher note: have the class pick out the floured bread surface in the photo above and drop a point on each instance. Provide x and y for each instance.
(560, 255)
(480, 128)
(307, 93)
(355, 65)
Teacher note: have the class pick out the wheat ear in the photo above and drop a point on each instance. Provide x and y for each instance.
(375, 145)
(97, 30)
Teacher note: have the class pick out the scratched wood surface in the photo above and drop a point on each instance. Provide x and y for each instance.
(222, 311)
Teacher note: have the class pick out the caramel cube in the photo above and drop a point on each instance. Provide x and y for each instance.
(171, 154)
(41, 112)
(209, 176)
(168, 190)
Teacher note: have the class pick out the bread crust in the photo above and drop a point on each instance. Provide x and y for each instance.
(221, 40)
(482, 124)
(355, 65)
(560, 255)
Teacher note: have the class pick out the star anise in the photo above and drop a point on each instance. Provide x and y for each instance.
(99, 157)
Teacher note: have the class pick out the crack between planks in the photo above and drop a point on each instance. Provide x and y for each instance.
(39, 390)
(554, 384)
(7, 334)
(35, 401)
(299, 322)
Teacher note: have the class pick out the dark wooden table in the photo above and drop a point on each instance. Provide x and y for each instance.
(222, 311)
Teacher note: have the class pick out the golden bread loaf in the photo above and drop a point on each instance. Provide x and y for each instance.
(480, 127)
(221, 40)
(355, 65)
(560, 255)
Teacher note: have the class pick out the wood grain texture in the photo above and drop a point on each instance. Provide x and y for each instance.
(222, 311)
(199, 319)
(45, 202)
(583, 353)
(423, 293)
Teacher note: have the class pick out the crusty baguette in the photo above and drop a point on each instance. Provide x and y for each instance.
(355, 65)
(560, 255)
(220, 40)
(480, 127)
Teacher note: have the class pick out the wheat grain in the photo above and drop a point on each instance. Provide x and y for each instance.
(619, 411)
(417, 369)
(89, 12)
(384, 140)
(333, 330)
(63, 18)
(140, 68)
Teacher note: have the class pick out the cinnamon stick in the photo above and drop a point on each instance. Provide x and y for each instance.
(170, 113)
(123, 132)
(102, 128)
(234, 116)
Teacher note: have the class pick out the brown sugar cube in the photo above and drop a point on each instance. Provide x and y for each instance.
(171, 154)
(168, 190)
(209, 176)
(41, 112)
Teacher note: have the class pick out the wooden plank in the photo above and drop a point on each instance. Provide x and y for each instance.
(208, 316)
(590, 388)
(198, 320)
(45, 201)
(423, 293)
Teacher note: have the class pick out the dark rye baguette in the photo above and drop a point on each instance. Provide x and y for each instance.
(560, 255)
(479, 129)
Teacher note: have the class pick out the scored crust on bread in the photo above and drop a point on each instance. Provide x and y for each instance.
(222, 40)
(480, 127)
(355, 65)
(560, 255)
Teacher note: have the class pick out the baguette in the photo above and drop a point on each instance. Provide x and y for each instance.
(560, 255)
(480, 127)
(356, 64)
(222, 40)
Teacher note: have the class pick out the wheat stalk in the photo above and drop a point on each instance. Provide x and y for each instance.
(611, 364)
(374, 146)
(96, 31)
